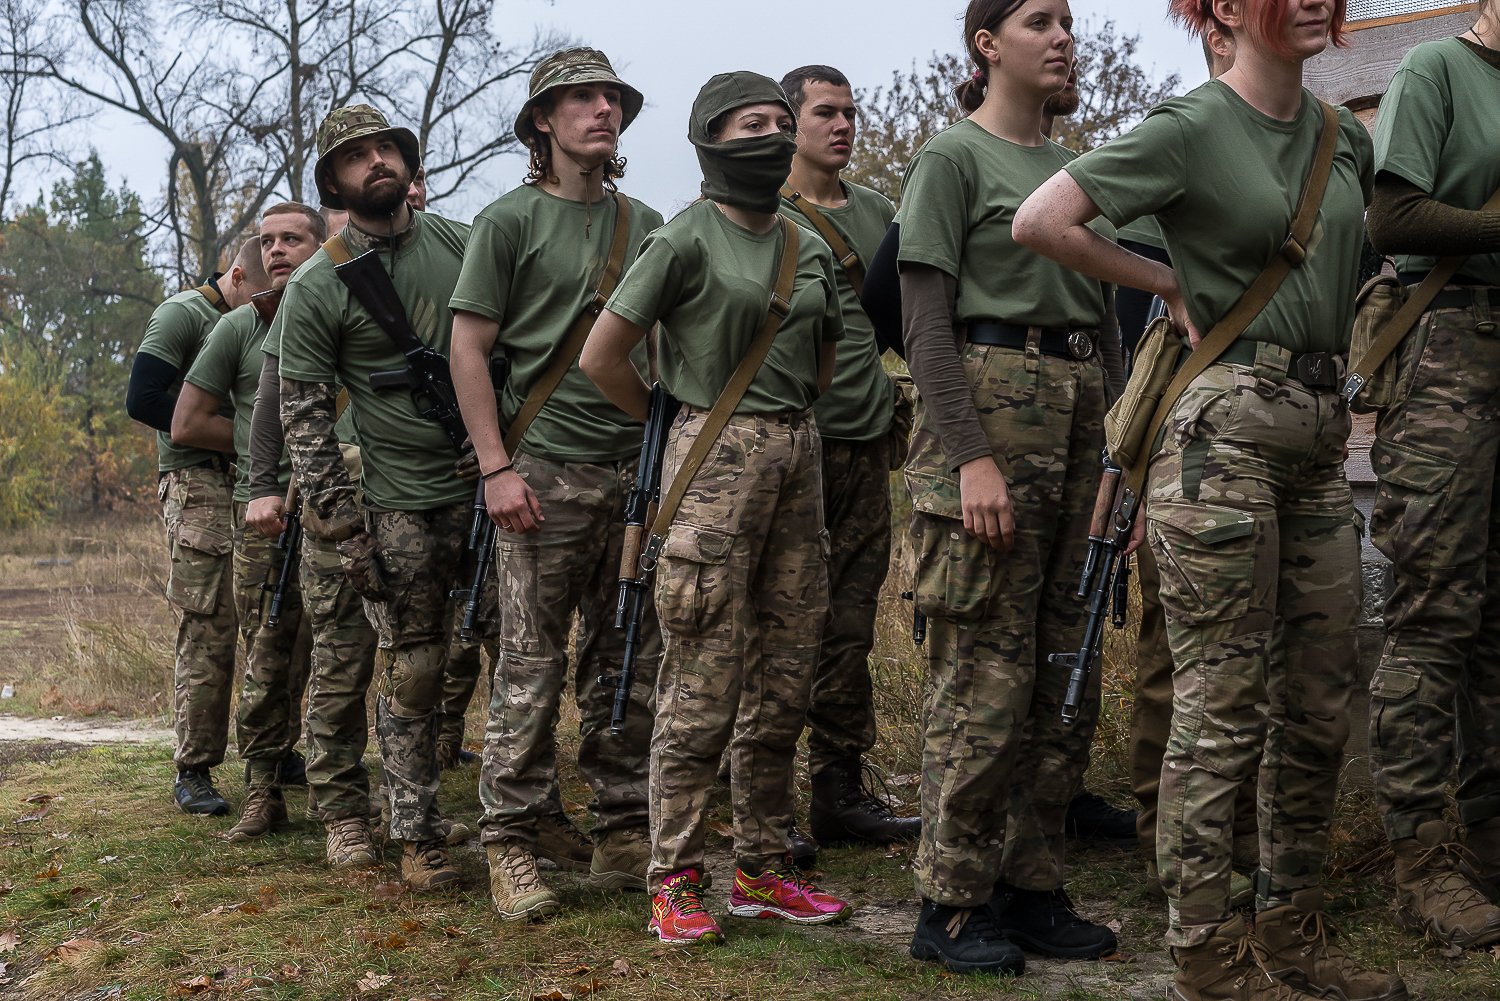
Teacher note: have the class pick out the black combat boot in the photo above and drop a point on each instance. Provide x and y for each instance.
(195, 793)
(843, 810)
(1044, 922)
(1092, 818)
(965, 940)
(802, 849)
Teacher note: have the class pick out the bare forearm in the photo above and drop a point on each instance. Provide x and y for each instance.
(606, 361)
(473, 341)
(211, 432)
(1053, 221)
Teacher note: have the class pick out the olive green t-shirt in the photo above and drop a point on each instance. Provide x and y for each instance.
(708, 282)
(958, 201)
(1439, 128)
(531, 269)
(1143, 230)
(857, 407)
(327, 336)
(175, 334)
(1223, 181)
(229, 368)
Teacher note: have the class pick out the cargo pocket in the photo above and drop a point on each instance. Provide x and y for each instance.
(198, 566)
(253, 583)
(1393, 713)
(954, 570)
(1407, 520)
(693, 588)
(517, 564)
(1206, 558)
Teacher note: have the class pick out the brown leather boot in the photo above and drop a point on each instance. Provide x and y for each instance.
(1228, 967)
(1482, 863)
(350, 845)
(561, 843)
(265, 810)
(1433, 893)
(425, 866)
(1299, 950)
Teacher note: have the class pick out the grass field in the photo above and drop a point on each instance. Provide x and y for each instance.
(106, 891)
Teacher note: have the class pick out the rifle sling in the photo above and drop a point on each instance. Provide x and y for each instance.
(1255, 298)
(734, 390)
(1394, 332)
(572, 345)
(339, 252)
(215, 298)
(847, 258)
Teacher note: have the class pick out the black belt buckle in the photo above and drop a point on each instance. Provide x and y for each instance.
(1080, 345)
(1317, 370)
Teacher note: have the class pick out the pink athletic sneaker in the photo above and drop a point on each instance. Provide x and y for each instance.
(785, 895)
(677, 913)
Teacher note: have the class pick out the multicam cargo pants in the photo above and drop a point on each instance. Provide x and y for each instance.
(1252, 526)
(1435, 699)
(998, 764)
(197, 512)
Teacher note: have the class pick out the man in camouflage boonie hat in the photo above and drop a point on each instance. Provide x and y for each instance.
(565, 68)
(358, 121)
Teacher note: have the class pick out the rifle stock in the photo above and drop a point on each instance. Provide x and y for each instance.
(482, 536)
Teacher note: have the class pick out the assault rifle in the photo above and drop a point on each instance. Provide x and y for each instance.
(635, 566)
(918, 620)
(1105, 582)
(481, 531)
(289, 544)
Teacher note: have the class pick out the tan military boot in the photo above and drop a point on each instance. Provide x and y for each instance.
(562, 844)
(1299, 950)
(620, 859)
(453, 832)
(425, 866)
(350, 844)
(1435, 896)
(265, 810)
(515, 883)
(1482, 861)
(1228, 967)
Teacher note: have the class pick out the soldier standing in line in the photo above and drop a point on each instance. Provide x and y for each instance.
(194, 488)
(535, 261)
(402, 550)
(1435, 698)
(855, 418)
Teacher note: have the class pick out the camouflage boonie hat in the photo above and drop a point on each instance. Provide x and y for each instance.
(343, 125)
(573, 66)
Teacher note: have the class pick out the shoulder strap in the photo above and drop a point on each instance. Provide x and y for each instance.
(734, 390)
(847, 258)
(214, 296)
(1395, 331)
(572, 345)
(337, 249)
(1291, 254)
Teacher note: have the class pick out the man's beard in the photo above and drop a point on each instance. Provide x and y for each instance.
(1062, 105)
(374, 205)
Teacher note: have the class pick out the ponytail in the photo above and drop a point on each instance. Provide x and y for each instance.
(981, 15)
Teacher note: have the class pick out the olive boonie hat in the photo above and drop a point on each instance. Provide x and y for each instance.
(343, 125)
(573, 66)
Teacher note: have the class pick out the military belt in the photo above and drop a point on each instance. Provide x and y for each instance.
(1415, 278)
(218, 462)
(1059, 342)
(1314, 369)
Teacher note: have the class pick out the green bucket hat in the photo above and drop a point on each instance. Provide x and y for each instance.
(573, 66)
(343, 125)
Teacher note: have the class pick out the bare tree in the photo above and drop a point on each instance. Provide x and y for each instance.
(1114, 90)
(33, 113)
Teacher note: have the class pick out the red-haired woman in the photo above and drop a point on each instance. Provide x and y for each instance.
(1248, 513)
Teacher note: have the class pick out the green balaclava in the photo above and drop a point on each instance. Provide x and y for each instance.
(747, 173)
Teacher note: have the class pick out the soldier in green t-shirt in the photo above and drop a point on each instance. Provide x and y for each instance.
(534, 261)
(194, 488)
(403, 550)
(1247, 509)
(742, 584)
(855, 421)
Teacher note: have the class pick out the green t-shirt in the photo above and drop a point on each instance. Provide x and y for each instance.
(175, 334)
(1434, 131)
(857, 407)
(229, 368)
(1143, 230)
(708, 282)
(1223, 180)
(529, 267)
(958, 201)
(327, 336)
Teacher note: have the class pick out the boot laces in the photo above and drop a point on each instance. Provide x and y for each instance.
(199, 784)
(564, 828)
(521, 870)
(349, 834)
(430, 855)
(685, 897)
(1253, 955)
(1442, 864)
(260, 801)
(977, 920)
(874, 792)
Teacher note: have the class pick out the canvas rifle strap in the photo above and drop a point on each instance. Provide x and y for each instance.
(1394, 332)
(572, 345)
(1291, 254)
(847, 258)
(215, 299)
(734, 390)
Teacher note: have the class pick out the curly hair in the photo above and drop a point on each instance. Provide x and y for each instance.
(1263, 18)
(539, 164)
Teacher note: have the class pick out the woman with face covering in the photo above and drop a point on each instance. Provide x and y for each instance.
(741, 586)
(1005, 347)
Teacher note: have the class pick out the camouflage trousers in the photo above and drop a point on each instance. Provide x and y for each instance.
(1435, 698)
(461, 676)
(198, 514)
(343, 661)
(268, 722)
(857, 513)
(742, 593)
(571, 564)
(1252, 526)
(998, 764)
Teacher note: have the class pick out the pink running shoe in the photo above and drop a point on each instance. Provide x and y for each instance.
(678, 916)
(785, 895)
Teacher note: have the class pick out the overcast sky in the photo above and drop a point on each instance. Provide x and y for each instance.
(668, 48)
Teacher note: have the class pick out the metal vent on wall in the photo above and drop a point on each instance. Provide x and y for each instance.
(1371, 10)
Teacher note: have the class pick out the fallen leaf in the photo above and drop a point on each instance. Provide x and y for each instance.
(1114, 925)
(78, 891)
(244, 907)
(267, 896)
(74, 949)
(583, 990)
(32, 818)
(291, 971)
(1117, 957)
(6, 887)
(722, 829)
(576, 971)
(555, 994)
(51, 872)
(409, 926)
(9, 939)
(621, 968)
(176, 900)
(132, 938)
(388, 891)
(453, 931)
(392, 941)
(197, 985)
(39, 798)
(374, 982)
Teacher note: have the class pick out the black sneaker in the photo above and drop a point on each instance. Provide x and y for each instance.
(802, 848)
(195, 793)
(292, 769)
(965, 940)
(1092, 818)
(1044, 922)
